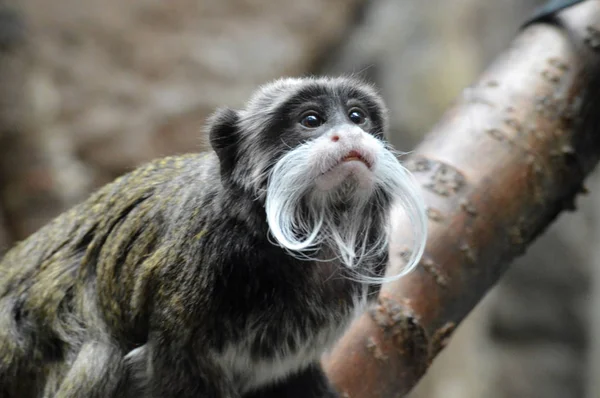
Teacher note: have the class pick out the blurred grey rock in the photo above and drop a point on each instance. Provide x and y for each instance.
(130, 81)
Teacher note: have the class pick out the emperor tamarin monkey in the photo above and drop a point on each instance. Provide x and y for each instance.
(224, 274)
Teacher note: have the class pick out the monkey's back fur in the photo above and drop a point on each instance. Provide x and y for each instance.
(115, 239)
(94, 282)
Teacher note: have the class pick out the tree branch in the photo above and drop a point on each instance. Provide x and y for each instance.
(496, 171)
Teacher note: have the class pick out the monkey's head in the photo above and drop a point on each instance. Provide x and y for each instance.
(313, 151)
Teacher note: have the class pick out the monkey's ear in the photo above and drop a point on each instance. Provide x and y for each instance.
(222, 129)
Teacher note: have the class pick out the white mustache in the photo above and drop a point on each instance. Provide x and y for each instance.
(303, 219)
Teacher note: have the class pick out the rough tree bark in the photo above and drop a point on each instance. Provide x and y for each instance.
(496, 171)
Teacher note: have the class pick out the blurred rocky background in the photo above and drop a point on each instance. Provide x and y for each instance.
(91, 88)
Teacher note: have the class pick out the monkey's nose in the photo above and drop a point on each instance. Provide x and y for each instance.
(346, 134)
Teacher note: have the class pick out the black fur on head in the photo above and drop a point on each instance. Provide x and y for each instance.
(248, 142)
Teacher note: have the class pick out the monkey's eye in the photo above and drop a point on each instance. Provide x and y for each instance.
(357, 116)
(311, 120)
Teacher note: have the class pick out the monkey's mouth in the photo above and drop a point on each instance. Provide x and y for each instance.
(355, 167)
(357, 156)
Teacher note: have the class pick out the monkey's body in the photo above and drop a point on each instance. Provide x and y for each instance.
(165, 283)
(257, 311)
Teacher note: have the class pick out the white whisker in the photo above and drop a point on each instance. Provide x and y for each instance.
(306, 222)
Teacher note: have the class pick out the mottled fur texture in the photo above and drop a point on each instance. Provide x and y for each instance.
(167, 282)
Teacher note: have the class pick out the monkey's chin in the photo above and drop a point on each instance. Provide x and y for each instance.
(347, 173)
